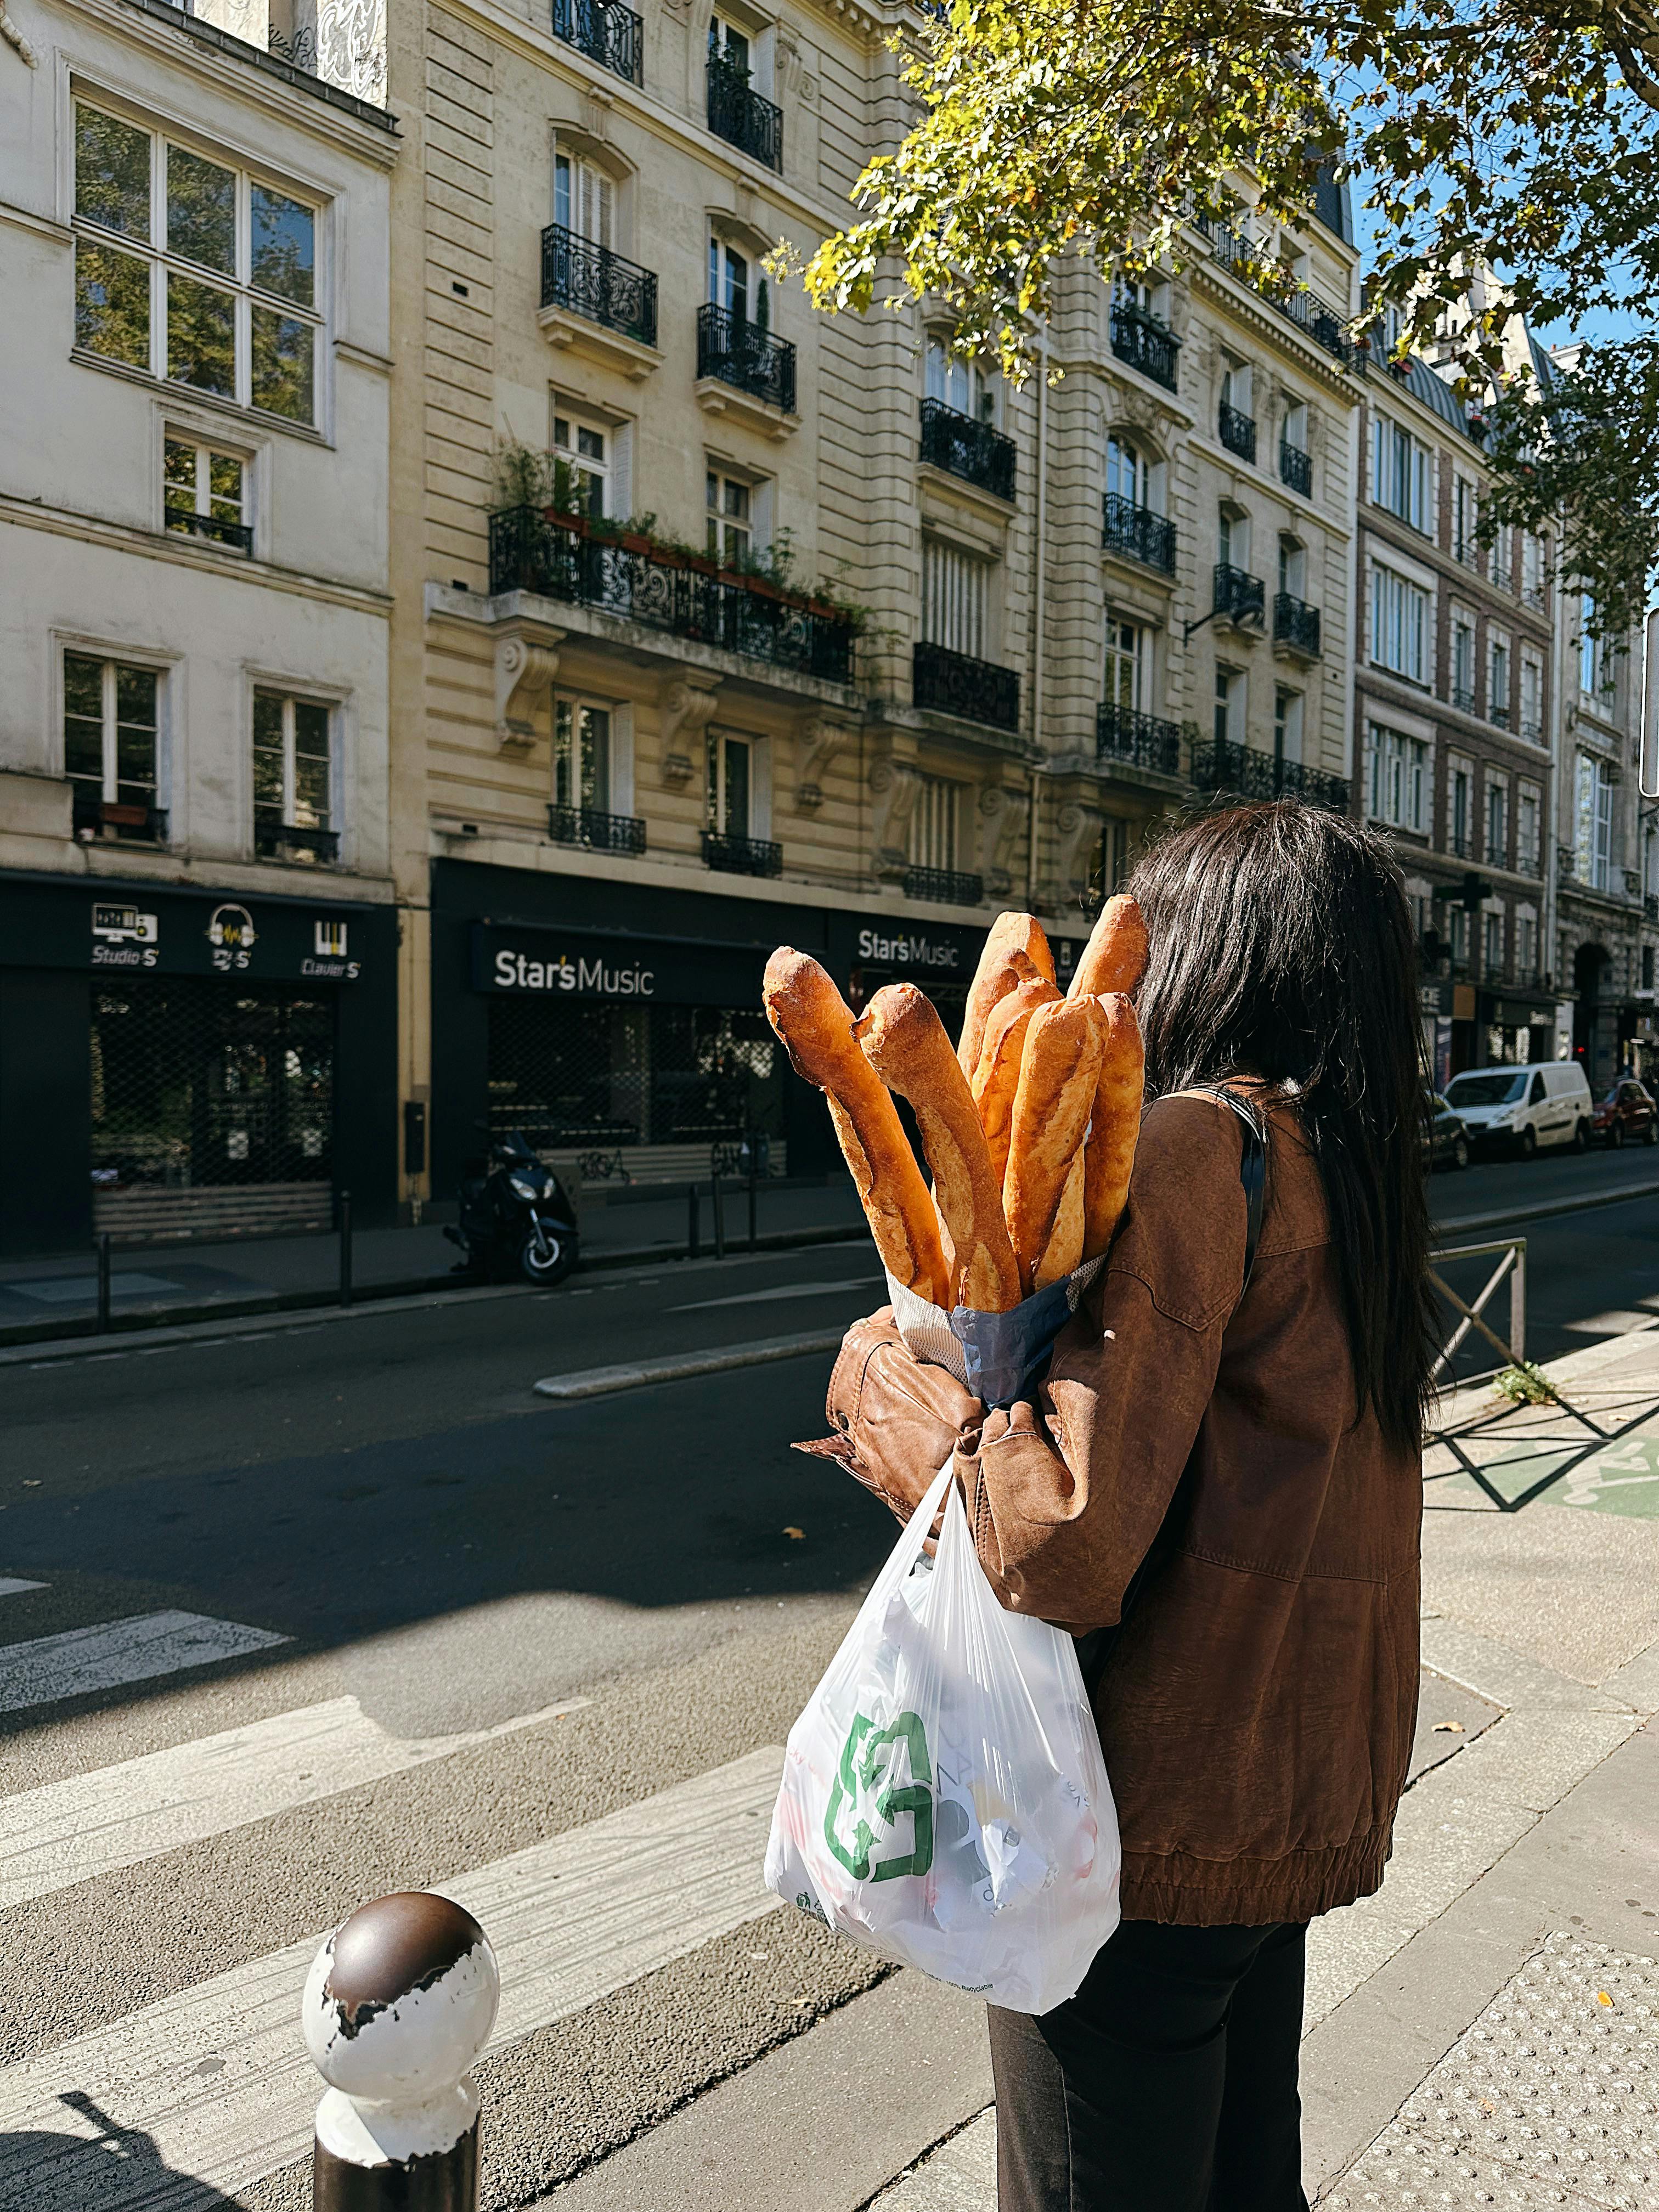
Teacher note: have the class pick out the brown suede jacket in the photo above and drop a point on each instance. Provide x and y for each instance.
(1257, 1705)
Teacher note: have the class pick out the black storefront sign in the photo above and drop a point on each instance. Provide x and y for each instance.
(543, 960)
(283, 940)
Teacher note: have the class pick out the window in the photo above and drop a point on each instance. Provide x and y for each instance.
(1457, 931)
(1229, 704)
(1287, 725)
(213, 282)
(1400, 776)
(1646, 967)
(1291, 567)
(1593, 823)
(1399, 623)
(1232, 538)
(1465, 517)
(1236, 385)
(1460, 809)
(727, 44)
(1526, 944)
(729, 517)
(1528, 803)
(956, 598)
(1497, 679)
(110, 745)
(582, 755)
(958, 384)
(1128, 664)
(933, 823)
(293, 811)
(1462, 661)
(728, 284)
(1399, 472)
(1129, 473)
(205, 493)
(1296, 425)
(1593, 676)
(582, 199)
(1503, 557)
(1498, 822)
(1532, 697)
(582, 458)
(1492, 943)
(1532, 570)
(729, 784)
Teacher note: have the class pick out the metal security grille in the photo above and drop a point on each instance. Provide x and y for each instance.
(198, 1081)
(607, 1076)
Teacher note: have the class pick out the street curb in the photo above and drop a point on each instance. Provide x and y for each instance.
(1545, 1210)
(601, 1382)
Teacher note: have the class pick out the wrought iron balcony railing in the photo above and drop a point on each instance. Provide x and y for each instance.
(1136, 530)
(1123, 733)
(738, 114)
(747, 355)
(1239, 596)
(1146, 343)
(1237, 431)
(970, 450)
(1221, 765)
(1498, 712)
(663, 591)
(137, 825)
(950, 887)
(956, 684)
(1295, 624)
(1296, 468)
(604, 287)
(1461, 697)
(601, 833)
(185, 519)
(275, 839)
(1296, 305)
(742, 856)
(606, 32)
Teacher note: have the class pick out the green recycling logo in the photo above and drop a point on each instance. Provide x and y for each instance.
(870, 1794)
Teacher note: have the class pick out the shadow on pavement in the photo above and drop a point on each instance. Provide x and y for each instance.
(120, 2167)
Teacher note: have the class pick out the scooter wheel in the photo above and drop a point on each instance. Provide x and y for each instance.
(547, 1260)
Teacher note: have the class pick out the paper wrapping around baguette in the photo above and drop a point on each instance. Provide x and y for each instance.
(999, 1357)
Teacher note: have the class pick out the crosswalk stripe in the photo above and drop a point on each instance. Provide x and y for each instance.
(114, 1652)
(11, 1584)
(117, 1816)
(211, 2086)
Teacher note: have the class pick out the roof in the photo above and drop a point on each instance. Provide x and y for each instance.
(1332, 204)
(1437, 394)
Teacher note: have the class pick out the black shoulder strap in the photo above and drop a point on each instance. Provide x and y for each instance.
(1252, 1171)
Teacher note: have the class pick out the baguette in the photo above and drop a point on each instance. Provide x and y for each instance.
(997, 1077)
(1064, 1249)
(1012, 937)
(1114, 958)
(815, 1025)
(1110, 1153)
(905, 1042)
(1058, 1077)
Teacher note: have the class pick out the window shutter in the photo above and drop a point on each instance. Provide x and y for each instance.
(622, 759)
(621, 470)
(760, 788)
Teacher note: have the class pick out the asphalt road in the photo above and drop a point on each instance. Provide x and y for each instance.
(385, 1490)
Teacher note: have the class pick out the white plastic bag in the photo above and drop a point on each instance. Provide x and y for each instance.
(945, 1802)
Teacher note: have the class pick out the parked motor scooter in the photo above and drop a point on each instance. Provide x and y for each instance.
(516, 1216)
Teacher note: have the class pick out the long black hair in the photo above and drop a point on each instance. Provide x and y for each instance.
(1281, 948)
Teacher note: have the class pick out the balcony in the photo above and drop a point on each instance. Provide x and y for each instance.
(1238, 432)
(1296, 468)
(731, 349)
(944, 884)
(666, 591)
(1137, 531)
(1499, 714)
(1221, 765)
(1122, 734)
(185, 521)
(1461, 697)
(1296, 625)
(1239, 597)
(739, 115)
(607, 33)
(1296, 304)
(275, 840)
(134, 825)
(742, 856)
(973, 451)
(601, 286)
(1145, 342)
(596, 832)
(956, 683)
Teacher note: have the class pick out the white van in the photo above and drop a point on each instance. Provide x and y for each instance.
(1548, 1102)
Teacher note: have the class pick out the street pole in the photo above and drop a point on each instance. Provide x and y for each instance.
(103, 1284)
(345, 1246)
(399, 2005)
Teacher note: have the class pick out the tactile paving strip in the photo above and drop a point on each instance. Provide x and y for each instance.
(1552, 2097)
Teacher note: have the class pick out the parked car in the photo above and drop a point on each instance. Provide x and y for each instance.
(1445, 1140)
(1520, 1108)
(1627, 1115)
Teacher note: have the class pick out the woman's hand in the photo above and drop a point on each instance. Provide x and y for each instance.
(898, 1418)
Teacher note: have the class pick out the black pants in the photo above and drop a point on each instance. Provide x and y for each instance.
(1167, 2084)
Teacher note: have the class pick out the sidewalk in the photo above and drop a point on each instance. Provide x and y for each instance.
(1482, 2031)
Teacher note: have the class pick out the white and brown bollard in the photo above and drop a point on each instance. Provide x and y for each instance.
(399, 2003)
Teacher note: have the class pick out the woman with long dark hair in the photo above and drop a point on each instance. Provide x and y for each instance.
(1218, 1488)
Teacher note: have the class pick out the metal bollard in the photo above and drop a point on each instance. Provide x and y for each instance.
(399, 2003)
(344, 1215)
(692, 1239)
(103, 1284)
(720, 1217)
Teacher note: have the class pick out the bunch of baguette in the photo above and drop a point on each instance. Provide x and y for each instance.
(1029, 1124)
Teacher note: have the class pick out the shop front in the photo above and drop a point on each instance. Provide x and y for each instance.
(1465, 1025)
(176, 1063)
(621, 1028)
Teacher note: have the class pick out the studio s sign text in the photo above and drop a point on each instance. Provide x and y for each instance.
(515, 972)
